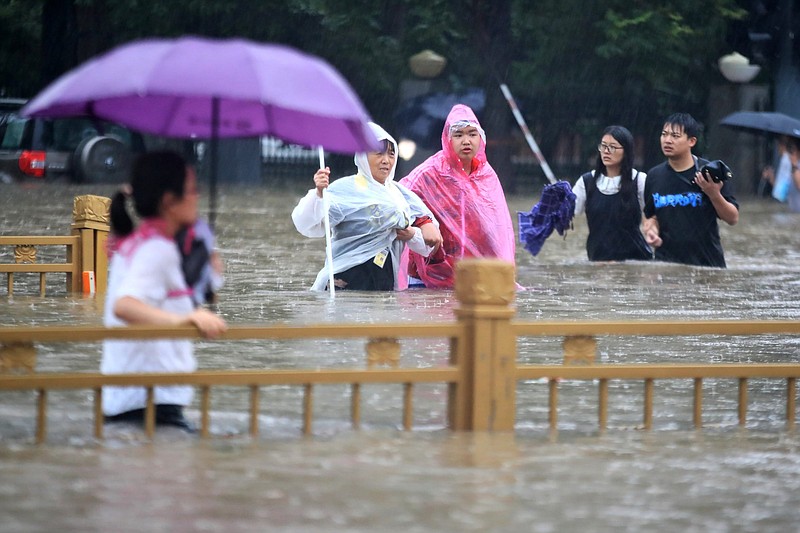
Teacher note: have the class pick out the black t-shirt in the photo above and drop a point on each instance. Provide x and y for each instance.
(686, 218)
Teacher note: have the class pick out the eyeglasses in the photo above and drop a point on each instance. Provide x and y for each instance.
(609, 148)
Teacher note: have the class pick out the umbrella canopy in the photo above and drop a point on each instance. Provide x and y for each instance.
(763, 122)
(195, 87)
(167, 87)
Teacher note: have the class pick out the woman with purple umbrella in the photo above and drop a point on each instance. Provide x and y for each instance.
(146, 286)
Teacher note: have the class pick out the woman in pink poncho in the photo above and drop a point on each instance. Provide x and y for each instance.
(464, 194)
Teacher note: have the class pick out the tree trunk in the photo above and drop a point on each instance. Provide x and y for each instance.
(59, 38)
(95, 34)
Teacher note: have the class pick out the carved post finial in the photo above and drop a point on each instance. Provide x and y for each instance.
(485, 282)
(90, 208)
(91, 220)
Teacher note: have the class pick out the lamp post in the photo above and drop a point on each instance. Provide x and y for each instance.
(426, 66)
(743, 152)
(737, 69)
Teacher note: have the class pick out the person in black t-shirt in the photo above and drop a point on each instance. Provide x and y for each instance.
(682, 205)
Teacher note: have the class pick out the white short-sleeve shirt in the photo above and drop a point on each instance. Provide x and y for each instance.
(606, 185)
(149, 271)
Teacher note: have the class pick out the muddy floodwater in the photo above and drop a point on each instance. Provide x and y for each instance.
(723, 478)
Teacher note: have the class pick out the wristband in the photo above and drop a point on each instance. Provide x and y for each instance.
(421, 221)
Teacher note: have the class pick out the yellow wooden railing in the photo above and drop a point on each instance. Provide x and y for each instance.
(85, 249)
(25, 260)
(382, 348)
(580, 348)
(482, 375)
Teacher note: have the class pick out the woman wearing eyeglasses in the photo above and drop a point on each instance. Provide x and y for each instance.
(612, 196)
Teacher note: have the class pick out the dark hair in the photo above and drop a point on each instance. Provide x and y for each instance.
(153, 175)
(628, 190)
(690, 126)
(387, 146)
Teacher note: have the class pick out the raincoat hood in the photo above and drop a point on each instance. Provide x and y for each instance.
(462, 116)
(362, 163)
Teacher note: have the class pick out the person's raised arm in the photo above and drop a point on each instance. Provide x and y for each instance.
(309, 213)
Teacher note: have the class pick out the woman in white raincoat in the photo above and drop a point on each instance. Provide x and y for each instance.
(372, 219)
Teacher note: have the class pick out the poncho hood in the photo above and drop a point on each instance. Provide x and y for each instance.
(461, 113)
(361, 161)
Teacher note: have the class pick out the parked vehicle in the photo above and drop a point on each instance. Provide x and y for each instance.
(81, 150)
(9, 106)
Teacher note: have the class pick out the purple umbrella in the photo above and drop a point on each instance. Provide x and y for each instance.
(195, 87)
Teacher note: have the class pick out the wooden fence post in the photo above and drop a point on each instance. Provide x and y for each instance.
(487, 356)
(90, 220)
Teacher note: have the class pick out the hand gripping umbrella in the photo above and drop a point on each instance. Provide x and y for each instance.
(194, 87)
(326, 202)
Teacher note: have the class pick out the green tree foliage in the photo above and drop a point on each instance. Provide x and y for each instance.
(574, 66)
(20, 47)
(585, 65)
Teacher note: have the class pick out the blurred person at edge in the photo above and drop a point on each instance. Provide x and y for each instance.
(681, 204)
(372, 220)
(612, 196)
(465, 195)
(778, 178)
(146, 286)
(202, 265)
(793, 196)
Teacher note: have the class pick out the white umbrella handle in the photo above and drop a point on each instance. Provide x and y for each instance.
(326, 206)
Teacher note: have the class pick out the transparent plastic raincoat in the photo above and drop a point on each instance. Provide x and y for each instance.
(471, 208)
(364, 215)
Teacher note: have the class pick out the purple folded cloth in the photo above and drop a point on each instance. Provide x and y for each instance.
(554, 211)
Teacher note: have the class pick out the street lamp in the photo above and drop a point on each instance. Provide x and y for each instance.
(427, 64)
(406, 149)
(737, 69)
(744, 153)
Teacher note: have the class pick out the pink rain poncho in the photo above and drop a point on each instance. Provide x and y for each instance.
(471, 208)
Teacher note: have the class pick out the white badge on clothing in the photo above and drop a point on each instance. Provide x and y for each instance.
(380, 259)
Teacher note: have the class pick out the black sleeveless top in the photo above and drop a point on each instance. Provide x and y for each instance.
(614, 233)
